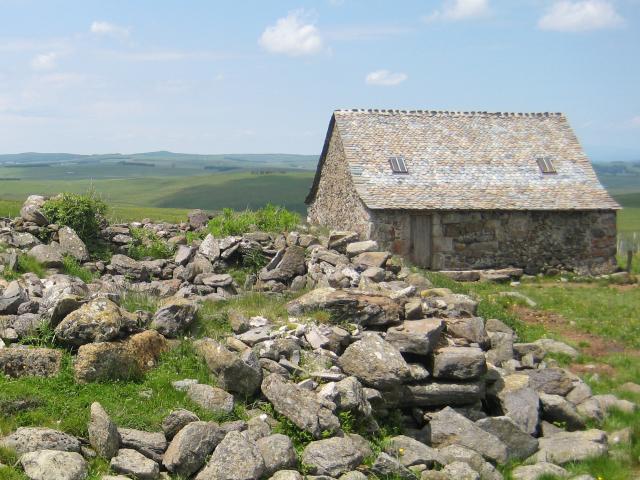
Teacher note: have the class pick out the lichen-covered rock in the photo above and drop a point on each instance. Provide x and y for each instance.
(31, 439)
(303, 407)
(176, 421)
(151, 444)
(131, 462)
(291, 265)
(416, 336)
(538, 470)
(376, 363)
(356, 306)
(520, 445)
(556, 409)
(449, 427)
(209, 248)
(459, 363)
(32, 210)
(174, 317)
(210, 398)
(100, 320)
(119, 360)
(565, 447)
(103, 433)
(12, 297)
(386, 466)
(518, 401)
(410, 452)
(235, 458)
(50, 256)
(277, 452)
(332, 456)
(191, 446)
(436, 394)
(23, 362)
(130, 268)
(72, 244)
(238, 373)
(54, 465)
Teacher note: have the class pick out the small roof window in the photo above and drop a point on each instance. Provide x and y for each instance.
(398, 165)
(546, 165)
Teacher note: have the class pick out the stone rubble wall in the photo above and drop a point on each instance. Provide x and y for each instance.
(533, 240)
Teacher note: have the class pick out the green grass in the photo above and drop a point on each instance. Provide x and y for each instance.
(132, 301)
(210, 192)
(72, 267)
(268, 219)
(25, 264)
(63, 404)
(10, 208)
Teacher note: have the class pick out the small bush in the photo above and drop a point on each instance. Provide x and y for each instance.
(84, 213)
(147, 244)
(268, 219)
(70, 266)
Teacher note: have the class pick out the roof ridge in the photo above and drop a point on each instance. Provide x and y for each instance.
(448, 113)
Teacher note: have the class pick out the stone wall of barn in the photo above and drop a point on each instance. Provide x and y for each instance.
(336, 203)
(534, 240)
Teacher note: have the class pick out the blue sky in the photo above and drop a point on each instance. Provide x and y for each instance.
(94, 76)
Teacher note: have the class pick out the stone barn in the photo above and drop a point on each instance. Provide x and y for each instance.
(453, 190)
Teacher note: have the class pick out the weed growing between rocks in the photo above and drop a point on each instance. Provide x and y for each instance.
(133, 301)
(146, 244)
(24, 264)
(268, 219)
(71, 266)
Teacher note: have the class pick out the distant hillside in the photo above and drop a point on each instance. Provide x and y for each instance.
(620, 178)
(166, 159)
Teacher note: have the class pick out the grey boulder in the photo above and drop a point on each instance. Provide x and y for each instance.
(103, 433)
(31, 439)
(416, 336)
(376, 363)
(235, 458)
(174, 317)
(459, 363)
(210, 398)
(71, 244)
(131, 462)
(277, 452)
(303, 407)
(54, 465)
(191, 446)
(332, 456)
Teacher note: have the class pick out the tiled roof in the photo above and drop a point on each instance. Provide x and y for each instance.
(466, 160)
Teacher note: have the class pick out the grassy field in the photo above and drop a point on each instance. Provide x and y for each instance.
(211, 192)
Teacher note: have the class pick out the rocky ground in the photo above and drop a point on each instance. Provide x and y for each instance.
(368, 343)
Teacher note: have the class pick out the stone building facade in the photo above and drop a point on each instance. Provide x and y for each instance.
(466, 209)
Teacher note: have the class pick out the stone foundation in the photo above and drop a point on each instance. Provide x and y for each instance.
(584, 241)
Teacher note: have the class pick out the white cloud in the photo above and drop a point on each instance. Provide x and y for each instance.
(635, 121)
(385, 78)
(293, 35)
(367, 32)
(579, 16)
(44, 61)
(109, 29)
(454, 10)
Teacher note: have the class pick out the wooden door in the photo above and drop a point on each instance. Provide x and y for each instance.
(420, 251)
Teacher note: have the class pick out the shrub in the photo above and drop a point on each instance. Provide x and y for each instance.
(147, 244)
(82, 212)
(268, 219)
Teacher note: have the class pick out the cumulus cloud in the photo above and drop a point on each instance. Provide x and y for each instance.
(109, 29)
(580, 16)
(294, 35)
(385, 78)
(454, 10)
(45, 61)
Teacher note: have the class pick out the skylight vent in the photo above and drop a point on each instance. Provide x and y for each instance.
(398, 165)
(546, 165)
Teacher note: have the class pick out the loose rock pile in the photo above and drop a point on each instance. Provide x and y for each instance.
(467, 394)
